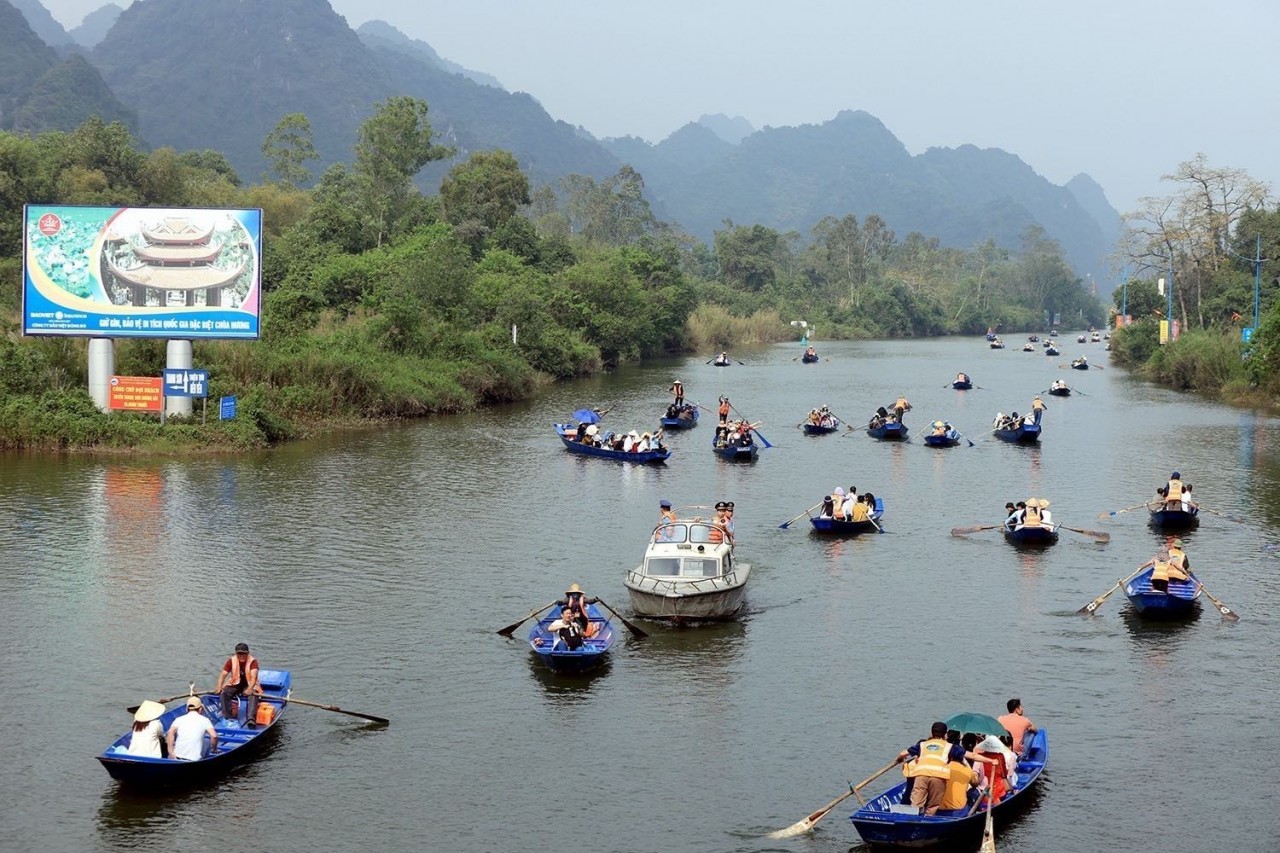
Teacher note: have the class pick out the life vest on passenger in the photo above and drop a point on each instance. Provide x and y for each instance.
(1031, 517)
(1160, 573)
(715, 534)
(1178, 564)
(249, 665)
(932, 760)
(1173, 491)
(668, 516)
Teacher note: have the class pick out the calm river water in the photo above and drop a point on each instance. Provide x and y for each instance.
(377, 566)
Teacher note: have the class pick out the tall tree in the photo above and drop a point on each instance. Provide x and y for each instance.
(479, 196)
(287, 150)
(391, 148)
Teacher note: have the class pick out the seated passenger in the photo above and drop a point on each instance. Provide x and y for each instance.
(828, 508)
(567, 631)
(581, 433)
(859, 511)
(963, 777)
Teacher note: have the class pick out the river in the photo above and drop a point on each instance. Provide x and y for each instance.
(377, 565)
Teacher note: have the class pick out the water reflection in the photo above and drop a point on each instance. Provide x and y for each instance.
(1156, 639)
(568, 689)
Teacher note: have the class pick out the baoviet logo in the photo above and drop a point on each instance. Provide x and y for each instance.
(49, 224)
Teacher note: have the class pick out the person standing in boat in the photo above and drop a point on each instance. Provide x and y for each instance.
(575, 603)
(1016, 723)
(1037, 410)
(723, 411)
(239, 677)
(900, 407)
(186, 735)
(728, 519)
(677, 391)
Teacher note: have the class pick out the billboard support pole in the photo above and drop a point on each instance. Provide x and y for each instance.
(102, 364)
(178, 357)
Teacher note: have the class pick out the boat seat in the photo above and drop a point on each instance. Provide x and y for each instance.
(271, 679)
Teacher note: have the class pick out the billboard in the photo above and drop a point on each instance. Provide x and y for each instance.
(141, 272)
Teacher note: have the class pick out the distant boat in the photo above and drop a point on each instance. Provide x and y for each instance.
(851, 528)
(1079, 364)
(949, 438)
(810, 358)
(996, 344)
(735, 452)
(687, 418)
(962, 384)
(1039, 535)
(818, 429)
(1026, 433)
(1051, 350)
(1064, 391)
(889, 431)
(568, 436)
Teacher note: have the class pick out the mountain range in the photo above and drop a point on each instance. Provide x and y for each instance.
(221, 73)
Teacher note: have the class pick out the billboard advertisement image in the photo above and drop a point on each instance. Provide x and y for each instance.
(139, 272)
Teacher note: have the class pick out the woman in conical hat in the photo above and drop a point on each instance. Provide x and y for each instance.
(148, 731)
(576, 603)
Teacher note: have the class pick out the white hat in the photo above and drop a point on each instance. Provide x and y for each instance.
(592, 429)
(148, 711)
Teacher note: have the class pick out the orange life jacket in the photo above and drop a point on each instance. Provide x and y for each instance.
(249, 666)
(715, 535)
(1173, 491)
(724, 410)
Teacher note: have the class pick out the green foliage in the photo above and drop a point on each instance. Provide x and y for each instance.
(1199, 361)
(288, 148)
(483, 193)
(1135, 344)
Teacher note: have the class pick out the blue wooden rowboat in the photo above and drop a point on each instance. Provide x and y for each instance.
(736, 452)
(687, 419)
(809, 359)
(815, 429)
(1079, 365)
(1030, 535)
(1173, 519)
(568, 433)
(1027, 433)
(1180, 601)
(236, 743)
(962, 385)
(1052, 350)
(889, 431)
(950, 438)
(719, 363)
(996, 344)
(1060, 392)
(851, 528)
(885, 822)
(558, 657)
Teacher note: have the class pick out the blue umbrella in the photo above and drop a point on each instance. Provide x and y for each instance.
(586, 416)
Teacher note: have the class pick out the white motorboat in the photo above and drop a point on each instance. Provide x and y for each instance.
(688, 575)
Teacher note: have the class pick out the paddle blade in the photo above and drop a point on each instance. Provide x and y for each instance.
(977, 528)
(800, 827)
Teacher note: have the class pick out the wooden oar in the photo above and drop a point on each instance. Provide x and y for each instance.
(1105, 515)
(636, 632)
(1227, 612)
(977, 528)
(1092, 606)
(191, 691)
(965, 437)
(370, 717)
(804, 825)
(506, 632)
(989, 829)
(1100, 535)
(786, 524)
(1222, 515)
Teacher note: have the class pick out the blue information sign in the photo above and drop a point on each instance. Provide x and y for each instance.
(185, 382)
(1246, 334)
(226, 408)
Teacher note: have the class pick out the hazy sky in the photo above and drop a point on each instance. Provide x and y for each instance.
(1120, 89)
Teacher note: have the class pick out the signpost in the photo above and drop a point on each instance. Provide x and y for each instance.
(136, 394)
(186, 382)
(226, 408)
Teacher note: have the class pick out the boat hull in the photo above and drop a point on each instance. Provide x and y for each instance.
(889, 432)
(1174, 519)
(236, 744)
(962, 386)
(956, 829)
(650, 457)
(688, 600)
(1180, 602)
(591, 654)
(1052, 351)
(1060, 392)
(681, 423)
(1031, 535)
(814, 429)
(833, 527)
(1076, 366)
(809, 359)
(1025, 434)
(950, 438)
